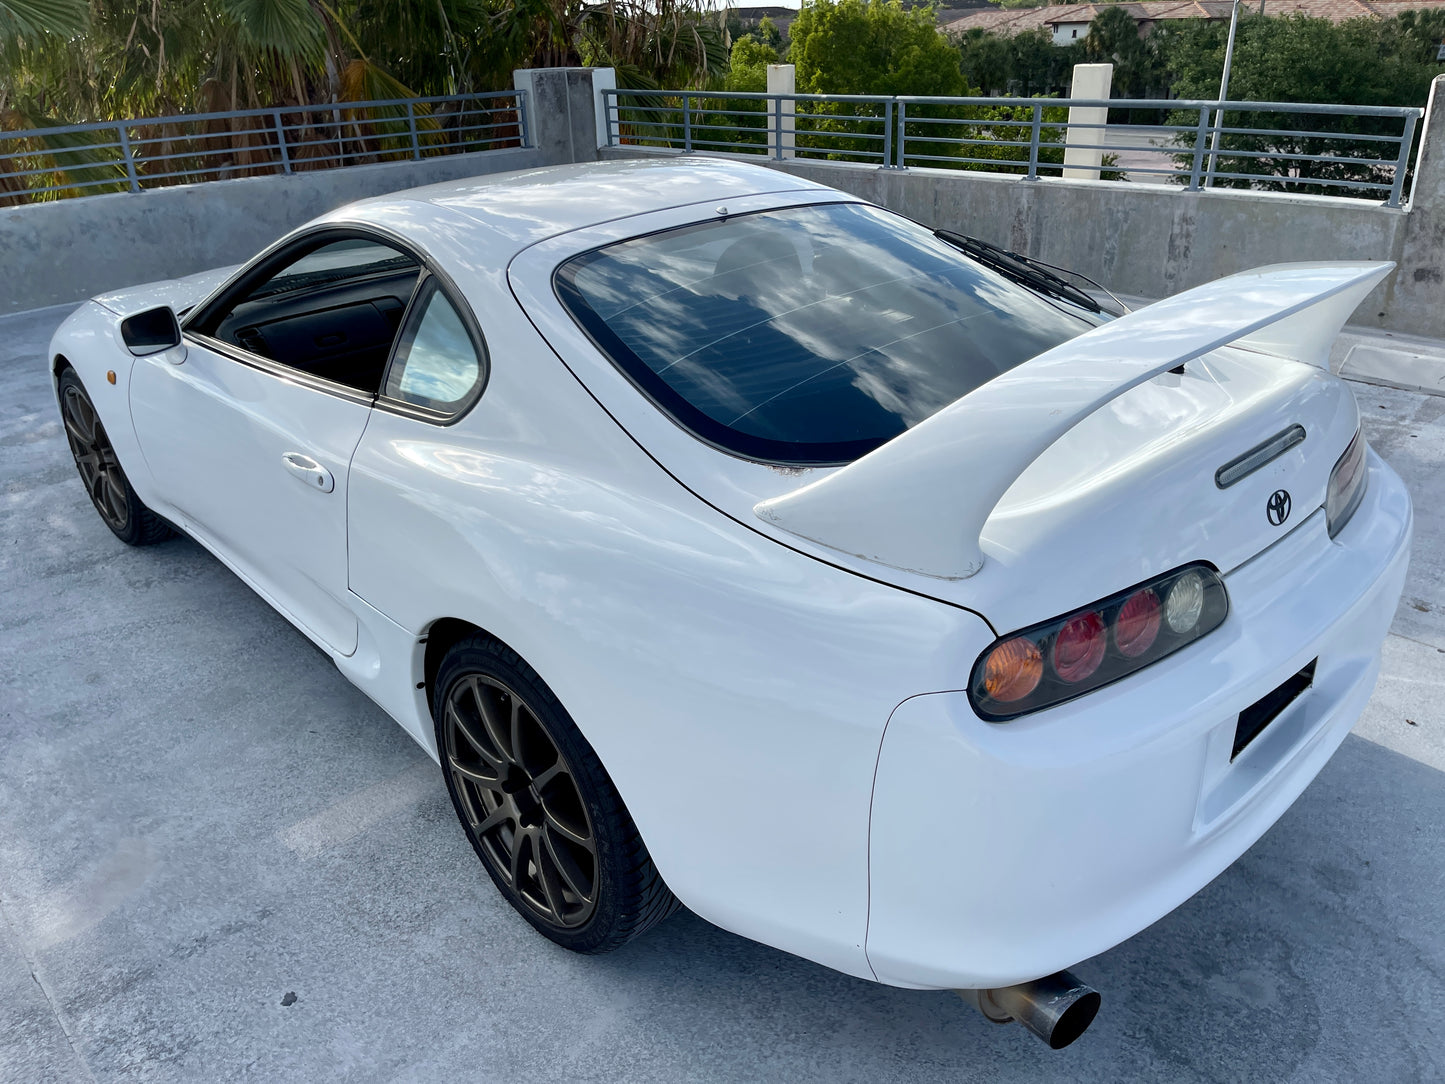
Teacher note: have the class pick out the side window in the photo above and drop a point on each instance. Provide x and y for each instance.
(333, 311)
(437, 364)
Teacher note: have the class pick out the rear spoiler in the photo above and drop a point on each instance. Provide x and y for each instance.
(919, 503)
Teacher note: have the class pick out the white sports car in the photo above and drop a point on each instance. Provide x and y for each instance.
(729, 540)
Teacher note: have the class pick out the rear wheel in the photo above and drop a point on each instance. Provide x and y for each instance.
(537, 805)
(109, 489)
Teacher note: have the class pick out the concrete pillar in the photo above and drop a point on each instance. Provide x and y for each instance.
(1082, 157)
(783, 79)
(1415, 297)
(565, 111)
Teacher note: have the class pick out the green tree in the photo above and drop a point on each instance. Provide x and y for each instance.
(1298, 59)
(1020, 65)
(872, 47)
(868, 47)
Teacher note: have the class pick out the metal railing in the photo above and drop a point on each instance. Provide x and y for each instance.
(1358, 151)
(131, 155)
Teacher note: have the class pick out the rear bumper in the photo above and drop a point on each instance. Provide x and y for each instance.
(1001, 853)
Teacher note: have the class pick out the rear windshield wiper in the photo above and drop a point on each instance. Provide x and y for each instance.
(1020, 269)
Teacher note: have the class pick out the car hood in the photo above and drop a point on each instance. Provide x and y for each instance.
(180, 294)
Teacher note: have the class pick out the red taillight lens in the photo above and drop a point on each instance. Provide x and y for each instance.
(1137, 626)
(1079, 647)
(1055, 661)
(1347, 486)
(1013, 670)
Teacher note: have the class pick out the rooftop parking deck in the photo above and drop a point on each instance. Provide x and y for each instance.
(219, 860)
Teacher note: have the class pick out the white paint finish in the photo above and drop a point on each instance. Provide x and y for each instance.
(738, 689)
(216, 435)
(885, 507)
(179, 294)
(1082, 156)
(1002, 853)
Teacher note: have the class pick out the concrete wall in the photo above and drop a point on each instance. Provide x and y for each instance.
(68, 250)
(1153, 241)
(1147, 241)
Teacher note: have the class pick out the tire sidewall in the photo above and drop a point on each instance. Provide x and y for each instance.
(605, 811)
(135, 510)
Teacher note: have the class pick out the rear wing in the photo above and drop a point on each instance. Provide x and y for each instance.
(919, 503)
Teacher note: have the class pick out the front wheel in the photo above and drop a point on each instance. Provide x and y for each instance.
(108, 487)
(537, 805)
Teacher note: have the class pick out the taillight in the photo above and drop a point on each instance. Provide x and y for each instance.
(1055, 661)
(1347, 486)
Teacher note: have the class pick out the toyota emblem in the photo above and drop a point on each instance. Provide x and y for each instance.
(1278, 507)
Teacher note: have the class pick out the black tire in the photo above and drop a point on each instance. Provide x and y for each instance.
(537, 805)
(105, 482)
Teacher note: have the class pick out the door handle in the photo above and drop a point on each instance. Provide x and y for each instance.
(309, 471)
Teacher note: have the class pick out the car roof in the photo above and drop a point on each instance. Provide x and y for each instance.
(530, 205)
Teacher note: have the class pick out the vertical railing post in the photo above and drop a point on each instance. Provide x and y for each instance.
(411, 127)
(1035, 127)
(611, 106)
(128, 157)
(686, 122)
(902, 135)
(1199, 134)
(281, 140)
(1402, 161)
(1214, 149)
(778, 127)
(888, 133)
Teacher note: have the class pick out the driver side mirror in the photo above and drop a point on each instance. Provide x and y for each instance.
(151, 331)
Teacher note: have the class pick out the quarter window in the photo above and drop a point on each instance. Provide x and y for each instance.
(437, 364)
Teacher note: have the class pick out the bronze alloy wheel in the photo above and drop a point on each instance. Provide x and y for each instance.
(105, 482)
(518, 796)
(537, 805)
(94, 457)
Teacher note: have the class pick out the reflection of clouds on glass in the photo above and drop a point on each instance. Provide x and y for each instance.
(815, 324)
(441, 366)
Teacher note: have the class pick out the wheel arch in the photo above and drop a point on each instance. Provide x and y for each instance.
(440, 637)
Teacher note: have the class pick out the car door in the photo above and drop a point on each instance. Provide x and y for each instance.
(249, 431)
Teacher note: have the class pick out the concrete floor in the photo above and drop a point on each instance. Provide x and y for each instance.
(218, 860)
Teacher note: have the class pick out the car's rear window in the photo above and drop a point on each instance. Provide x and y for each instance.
(809, 334)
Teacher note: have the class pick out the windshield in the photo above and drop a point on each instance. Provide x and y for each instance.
(806, 335)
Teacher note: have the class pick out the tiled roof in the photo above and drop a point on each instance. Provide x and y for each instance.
(1017, 20)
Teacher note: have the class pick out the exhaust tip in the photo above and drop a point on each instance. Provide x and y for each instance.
(1073, 1022)
(1057, 1008)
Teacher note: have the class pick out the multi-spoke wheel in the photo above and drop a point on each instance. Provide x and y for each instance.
(538, 806)
(109, 489)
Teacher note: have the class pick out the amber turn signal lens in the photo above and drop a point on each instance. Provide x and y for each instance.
(1013, 670)
(110, 376)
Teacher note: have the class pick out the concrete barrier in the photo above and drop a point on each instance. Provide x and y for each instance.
(1146, 240)
(71, 249)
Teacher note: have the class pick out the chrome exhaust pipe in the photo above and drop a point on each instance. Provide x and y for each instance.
(1057, 1008)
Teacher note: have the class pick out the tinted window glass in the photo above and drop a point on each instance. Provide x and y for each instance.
(332, 312)
(436, 366)
(811, 334)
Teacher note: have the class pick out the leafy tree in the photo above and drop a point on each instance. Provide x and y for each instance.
(872, 47)
(867, 47)
(1020, 65)
(1298, 59)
